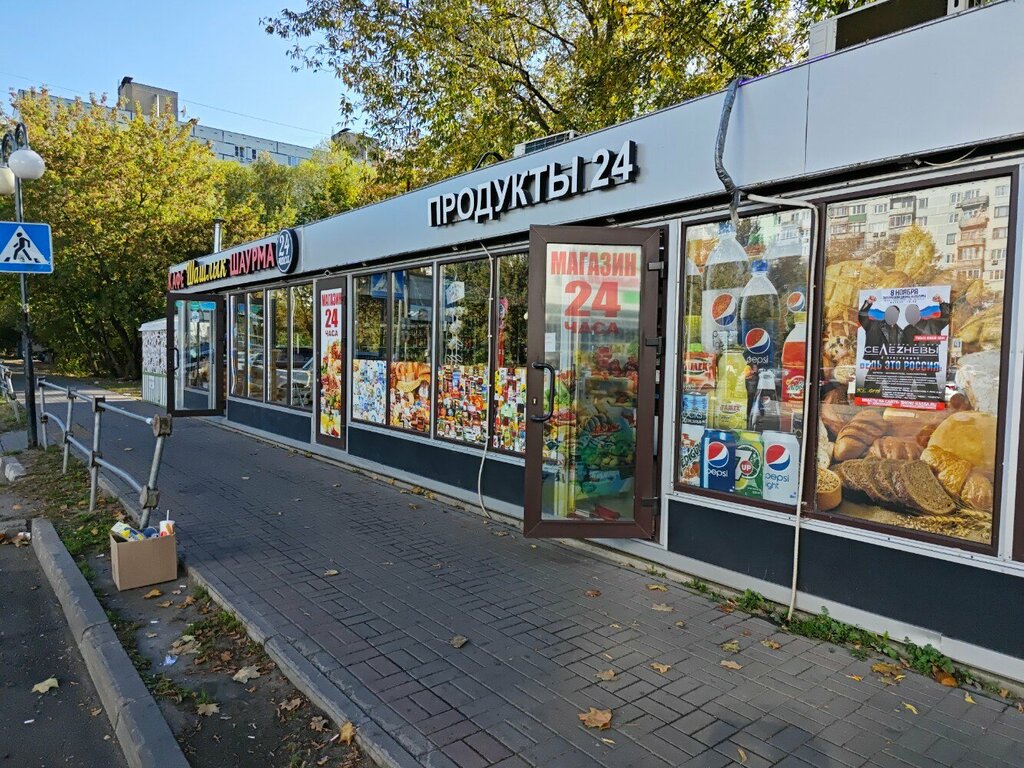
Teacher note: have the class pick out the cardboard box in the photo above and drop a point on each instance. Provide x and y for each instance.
(141, 563)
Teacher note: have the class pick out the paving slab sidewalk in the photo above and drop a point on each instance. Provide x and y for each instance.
(264, 524)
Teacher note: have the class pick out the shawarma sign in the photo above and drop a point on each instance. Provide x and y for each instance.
(279, 252)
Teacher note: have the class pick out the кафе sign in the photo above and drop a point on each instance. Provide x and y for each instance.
(280, 252)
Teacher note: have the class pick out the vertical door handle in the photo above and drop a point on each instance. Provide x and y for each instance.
(551, 391)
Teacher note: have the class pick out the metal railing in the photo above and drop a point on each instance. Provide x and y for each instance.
(149, 496)
(9, 394)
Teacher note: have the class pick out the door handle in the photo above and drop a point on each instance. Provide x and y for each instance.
(177, 359)
(551, 391)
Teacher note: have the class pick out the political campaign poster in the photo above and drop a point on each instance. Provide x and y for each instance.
(903, 347)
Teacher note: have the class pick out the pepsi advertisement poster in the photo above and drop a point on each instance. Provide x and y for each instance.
(903, 347)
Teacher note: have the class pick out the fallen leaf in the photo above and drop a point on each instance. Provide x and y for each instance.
(151, 635)
(616, 626)
(727, 607)
(501, 533)
(330, 572)
(208, 709)
(458, 641)
(663, 668)
(47, 684)
(608, 741)
(94, 531)
(164, 604)
(317, 724)
(226, 656)
(323, 760)
(95, 712)
(1020, 707)
(608, 674)
(184, 645)
(732, 646)
(657, 588)
(742, 754)
(346, 733)
(187, 602)
(910, 708)
(942, 677)
(882, 668)
(663, 607)
(768, 643)
(152, 593)
(600, 719)
(858, 678)
(291, 705)
(175, 591)
(245, 674)
(968, 698)
(1004, 693)
(680, 624)
(593, 593)
(730, 665)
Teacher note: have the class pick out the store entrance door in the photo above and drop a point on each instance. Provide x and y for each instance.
(196, 333)
(591, 447)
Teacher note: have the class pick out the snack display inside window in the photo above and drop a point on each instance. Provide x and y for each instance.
(412, 311)
(369, 364)
(509, 427)
(911, 356)
(463, 393)
(743, 357)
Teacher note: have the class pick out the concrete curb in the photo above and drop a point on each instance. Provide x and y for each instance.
(141, 729)
(378, 745)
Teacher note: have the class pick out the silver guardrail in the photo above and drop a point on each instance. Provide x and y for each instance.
(149, 495)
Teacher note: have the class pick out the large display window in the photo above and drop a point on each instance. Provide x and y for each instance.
(302, 373)
(412, 321)
(254, 345)
(369, 363)
(277, 315)
(239, 340)
(463, 394)
(742, 360)
(509, 426)
(912, 357)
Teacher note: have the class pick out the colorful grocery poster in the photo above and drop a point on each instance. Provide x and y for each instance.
(509, 410)
(369, 388)
(462, 402)
(410, 396)
(903, 347)
(332, 361)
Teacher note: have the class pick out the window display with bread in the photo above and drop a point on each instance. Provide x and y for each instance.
(926, 462)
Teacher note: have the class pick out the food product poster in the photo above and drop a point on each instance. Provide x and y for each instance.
(369, 388)
(903, 347)
(509, 428)
(462, 402)
(332, 359)
(410, 396)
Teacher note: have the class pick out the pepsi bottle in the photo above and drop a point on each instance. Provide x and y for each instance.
(759, 318)
(725, 274)
(787, 270)
(765, 412)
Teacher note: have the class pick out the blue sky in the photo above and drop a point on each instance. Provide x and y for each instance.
(214, 53)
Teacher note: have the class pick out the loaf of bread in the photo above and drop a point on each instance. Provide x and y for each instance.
(918, 488)
(824, 447)
(835, 411)
(895, 448)
(853, 475)
(854, 440)
(977, 492)
(950, 469)
(971, 435)
(829, 489)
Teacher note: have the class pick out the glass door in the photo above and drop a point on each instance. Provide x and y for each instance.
(591, 384)
(196, 335)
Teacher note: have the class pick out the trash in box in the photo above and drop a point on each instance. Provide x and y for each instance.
(141, 558)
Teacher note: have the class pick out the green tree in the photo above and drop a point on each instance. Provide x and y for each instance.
(329, 182)
(443, 81)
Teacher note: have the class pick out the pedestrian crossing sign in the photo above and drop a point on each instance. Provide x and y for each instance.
(26, 247)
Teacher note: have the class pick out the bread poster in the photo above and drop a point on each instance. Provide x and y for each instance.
(903, 347)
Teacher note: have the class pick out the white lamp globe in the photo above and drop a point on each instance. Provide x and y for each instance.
(6, 180)
(26, 164)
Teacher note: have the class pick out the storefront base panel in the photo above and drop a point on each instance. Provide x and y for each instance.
(295, 426)
(959, 603)
(502, 480)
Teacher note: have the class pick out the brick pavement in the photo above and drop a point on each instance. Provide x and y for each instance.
(265, 523)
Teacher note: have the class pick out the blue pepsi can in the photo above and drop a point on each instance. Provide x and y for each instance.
(718, 459)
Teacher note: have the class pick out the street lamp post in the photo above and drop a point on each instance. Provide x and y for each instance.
(20, 161)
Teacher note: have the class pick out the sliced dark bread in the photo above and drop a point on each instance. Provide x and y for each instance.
(851, 472)
(871, 477)
(918, 488)
(885, 478)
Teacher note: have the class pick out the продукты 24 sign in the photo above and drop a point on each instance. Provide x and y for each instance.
(25, 247)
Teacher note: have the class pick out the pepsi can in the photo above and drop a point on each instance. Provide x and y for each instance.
(718, 457)
(781, 467)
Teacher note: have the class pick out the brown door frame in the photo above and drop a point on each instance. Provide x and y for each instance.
(218, 357)
(646, 498)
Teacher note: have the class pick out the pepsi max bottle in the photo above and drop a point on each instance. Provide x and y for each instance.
(718, 460)
(787, 270)
(725, 274)
(759, 318)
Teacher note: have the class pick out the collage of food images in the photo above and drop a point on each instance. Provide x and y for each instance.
(369, 390)
(332, 375)
(410, 396)
(462, 403)
(917, 461)
(509, 432)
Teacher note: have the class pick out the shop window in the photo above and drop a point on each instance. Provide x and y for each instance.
(302, 372)
(741, 382)
(369, 364)
(509, 426)
(412, 310)
(277, 312)
(255, 353)
(910, 384)
(197, 346)
(239, 340)
(462, 372)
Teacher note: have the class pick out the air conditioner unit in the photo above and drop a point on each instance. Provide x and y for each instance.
(884, 17)
(536, 145)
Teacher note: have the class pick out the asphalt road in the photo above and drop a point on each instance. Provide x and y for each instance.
(57, 728)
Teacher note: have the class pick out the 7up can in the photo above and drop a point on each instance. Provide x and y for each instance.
(749, 464)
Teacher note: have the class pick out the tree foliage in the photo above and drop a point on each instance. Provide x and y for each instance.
(443, 81)
(128, 197)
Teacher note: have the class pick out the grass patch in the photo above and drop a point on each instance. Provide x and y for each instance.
(10, 419)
